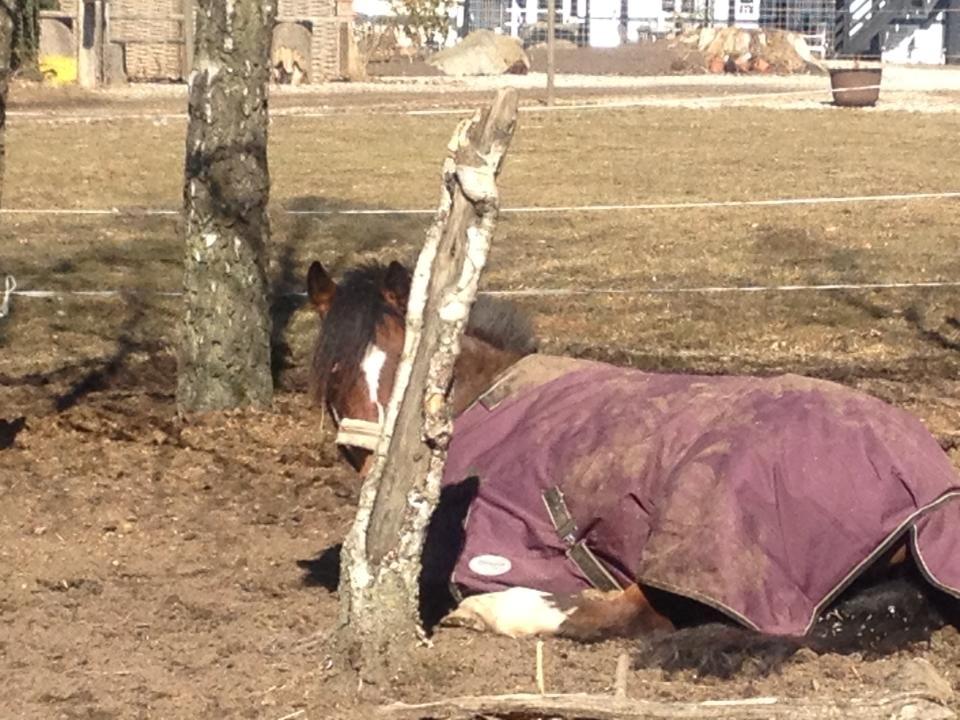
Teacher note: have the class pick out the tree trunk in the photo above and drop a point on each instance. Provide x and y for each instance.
(26, 36)
(6, 62)
(381, 555)
(225, 346)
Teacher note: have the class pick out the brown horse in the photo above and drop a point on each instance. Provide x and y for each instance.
(597, 594)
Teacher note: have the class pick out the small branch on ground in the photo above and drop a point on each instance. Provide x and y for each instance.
(620, 678)
(918, 705)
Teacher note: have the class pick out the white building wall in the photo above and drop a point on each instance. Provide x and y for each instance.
(604, 23)
(645, 16)
(746, 13)
(916, 44)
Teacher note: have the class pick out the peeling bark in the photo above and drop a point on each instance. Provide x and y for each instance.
(224, 358)
(381, 554)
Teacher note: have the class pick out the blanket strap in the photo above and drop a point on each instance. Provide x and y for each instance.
(577, 550)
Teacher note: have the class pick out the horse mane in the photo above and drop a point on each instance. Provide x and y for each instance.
(358, 308)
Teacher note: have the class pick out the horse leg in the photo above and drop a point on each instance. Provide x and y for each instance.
(517, 612)
(598, 615)
(588, 615)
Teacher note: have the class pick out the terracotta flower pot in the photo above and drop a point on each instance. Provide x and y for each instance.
(855, 87)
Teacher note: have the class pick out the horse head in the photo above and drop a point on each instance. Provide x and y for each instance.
(361, 341)
(358, 350)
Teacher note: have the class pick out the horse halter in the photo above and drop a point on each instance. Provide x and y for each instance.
(353, 432)
(363, 434)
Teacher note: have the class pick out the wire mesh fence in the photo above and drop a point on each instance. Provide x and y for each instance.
(907, 31)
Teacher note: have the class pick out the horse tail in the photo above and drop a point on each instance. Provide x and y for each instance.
(873, 621)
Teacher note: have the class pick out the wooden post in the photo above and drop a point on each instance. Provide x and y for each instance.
(551, 47)
(189, 29)
(90, 39)
(381, 554)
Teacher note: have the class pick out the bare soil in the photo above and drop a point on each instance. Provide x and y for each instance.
(647, 58)
(149, 565)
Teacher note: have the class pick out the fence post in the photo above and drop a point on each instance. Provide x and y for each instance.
(551, 46)
(90, 40)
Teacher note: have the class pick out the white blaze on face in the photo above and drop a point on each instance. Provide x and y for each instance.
(517, 612)
(372, 366)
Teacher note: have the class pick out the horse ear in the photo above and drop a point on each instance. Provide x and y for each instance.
(320, 288)
(396, 286)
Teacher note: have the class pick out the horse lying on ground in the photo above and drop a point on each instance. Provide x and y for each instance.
(590, 501)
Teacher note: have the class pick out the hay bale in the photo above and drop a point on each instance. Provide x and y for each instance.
(741, 50)
(114, 64)
(482, 52)
(290, 54)
(705, 37)
(56, 38)
(788, 52)
(355, 68)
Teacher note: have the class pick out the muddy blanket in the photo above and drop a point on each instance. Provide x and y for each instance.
(760, 497)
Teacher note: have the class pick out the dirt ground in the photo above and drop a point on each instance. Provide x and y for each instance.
(649, 58)
(149, 565)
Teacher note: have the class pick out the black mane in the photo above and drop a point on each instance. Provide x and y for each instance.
(358, 307)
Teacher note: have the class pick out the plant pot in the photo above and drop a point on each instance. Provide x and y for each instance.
(855, 87)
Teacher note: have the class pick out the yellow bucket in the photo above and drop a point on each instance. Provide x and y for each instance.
(59, 69)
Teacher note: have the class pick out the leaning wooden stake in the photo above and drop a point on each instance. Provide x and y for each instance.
(381, 554)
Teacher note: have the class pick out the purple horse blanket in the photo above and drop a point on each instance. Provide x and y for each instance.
(760, 497)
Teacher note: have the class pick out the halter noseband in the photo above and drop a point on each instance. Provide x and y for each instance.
(363, 434)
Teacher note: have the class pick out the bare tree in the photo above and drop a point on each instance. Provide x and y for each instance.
(381, 555)
(7, 16)
(225, 347)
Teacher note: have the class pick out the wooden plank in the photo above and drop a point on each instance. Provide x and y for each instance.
(136, 17)
(919, 705)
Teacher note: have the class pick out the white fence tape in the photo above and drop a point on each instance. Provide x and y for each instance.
(713, 289)
(693, 205)
(544, 292)
(654, 99)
